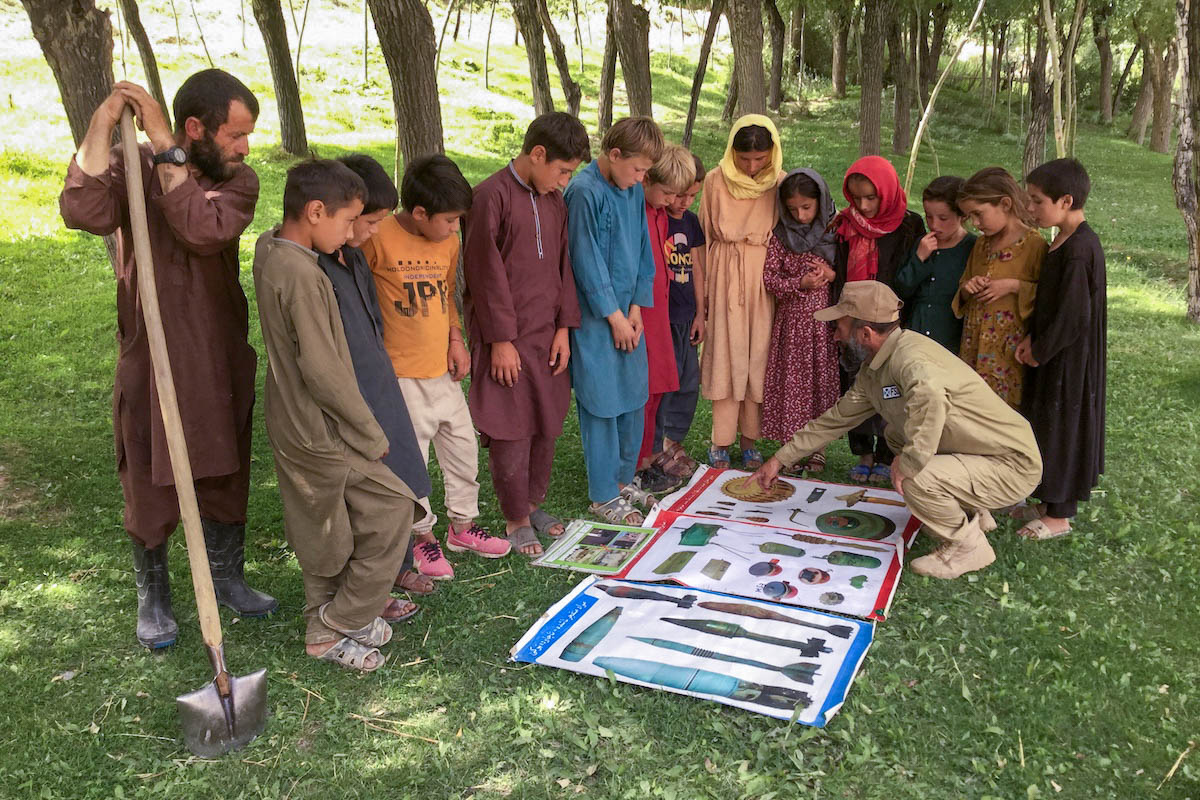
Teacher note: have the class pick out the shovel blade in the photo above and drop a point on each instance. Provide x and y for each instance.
(210, 728)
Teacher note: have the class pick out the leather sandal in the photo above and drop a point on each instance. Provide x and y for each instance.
(393, 613)
(544, 522)
(1038, 530)
(414, 582)
(353, 655)
(376, 633)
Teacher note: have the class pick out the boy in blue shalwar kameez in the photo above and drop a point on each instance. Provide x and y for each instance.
(613, 262)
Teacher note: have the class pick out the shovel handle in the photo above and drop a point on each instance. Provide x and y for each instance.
(168, 404)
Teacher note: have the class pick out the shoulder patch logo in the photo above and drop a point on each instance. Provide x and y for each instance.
(891, 392)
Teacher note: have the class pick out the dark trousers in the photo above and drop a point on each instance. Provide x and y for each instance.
(867, 438)
(678, 408)
(1065, 510)
(152, 511)
(520, 473)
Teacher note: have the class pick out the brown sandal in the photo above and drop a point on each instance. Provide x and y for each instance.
(414, 582)
(671, 464)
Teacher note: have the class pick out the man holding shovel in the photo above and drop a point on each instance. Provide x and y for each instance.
(200, 196)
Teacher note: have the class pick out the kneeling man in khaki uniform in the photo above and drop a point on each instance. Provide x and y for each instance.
(961, 450)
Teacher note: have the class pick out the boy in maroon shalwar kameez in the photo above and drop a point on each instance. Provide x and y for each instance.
(520, 301)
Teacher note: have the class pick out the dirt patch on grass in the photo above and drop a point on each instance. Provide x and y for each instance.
(14, 500)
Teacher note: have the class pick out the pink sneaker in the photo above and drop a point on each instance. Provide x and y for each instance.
(478, 541)
(430, 561)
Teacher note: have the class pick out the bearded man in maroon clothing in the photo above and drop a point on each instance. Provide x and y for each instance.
(200, 196)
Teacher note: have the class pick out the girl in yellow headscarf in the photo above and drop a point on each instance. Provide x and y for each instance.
(738, 210)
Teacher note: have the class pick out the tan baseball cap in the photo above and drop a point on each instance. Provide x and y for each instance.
(870, 301)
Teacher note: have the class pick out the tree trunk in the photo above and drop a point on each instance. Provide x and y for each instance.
(1100, 35)
(1140, 118)
(933, 53)
(1164, 80)
(731, 98)
(983, 65)
(78, 44)
(632, 23)
(1039, 107)
(901, 106)
(526, 15)
(745, 28)
(487, 47)
(710, 32)
(999, 51)
(870, 109)
(608, 71)
(405, 33)
(1119, 89)
(839, 21)
(1056, 78)
(796, 39)
(1184, 177)
(570, 88)
(268, 15)
(777, 31)
(133, 21)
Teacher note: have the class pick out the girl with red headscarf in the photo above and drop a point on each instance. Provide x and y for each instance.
(874, 234)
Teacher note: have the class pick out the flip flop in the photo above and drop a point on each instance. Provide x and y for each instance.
(414, 582)
(524, 536)
(376, 633)
(353, 655)
(1037, 530)
(860, 473)
(395, 617)
(543, 521)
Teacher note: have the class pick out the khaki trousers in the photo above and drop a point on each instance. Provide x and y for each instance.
(951, 486)
(729, 416)
(380, 523)
(439, 413)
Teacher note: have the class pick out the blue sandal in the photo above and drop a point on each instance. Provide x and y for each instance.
(718, 457)
(881, 475)
(751, 458)
(860, 473)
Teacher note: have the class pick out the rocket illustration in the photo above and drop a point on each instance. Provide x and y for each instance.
(799, 672)
(582, 644)
(702, 681)
(635, 593)
(758, 612)
(730, 630)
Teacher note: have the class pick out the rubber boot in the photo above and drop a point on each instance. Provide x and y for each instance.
(226, 560)
(967, 552)
(156, 626)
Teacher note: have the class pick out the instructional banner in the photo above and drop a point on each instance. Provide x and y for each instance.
(782, 662)
(817, 570)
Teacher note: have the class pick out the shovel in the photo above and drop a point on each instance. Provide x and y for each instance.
(229, 712)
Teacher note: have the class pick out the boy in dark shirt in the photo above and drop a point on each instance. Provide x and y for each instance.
(686, 305)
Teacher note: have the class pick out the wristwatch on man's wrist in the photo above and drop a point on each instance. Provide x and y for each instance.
(172, 155)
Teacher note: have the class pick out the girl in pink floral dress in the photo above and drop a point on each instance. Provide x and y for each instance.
(802, 379)
(996, 292)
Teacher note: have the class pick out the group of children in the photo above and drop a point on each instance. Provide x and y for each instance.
(606, 283)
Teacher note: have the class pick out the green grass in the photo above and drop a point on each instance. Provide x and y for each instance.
(1067, 665)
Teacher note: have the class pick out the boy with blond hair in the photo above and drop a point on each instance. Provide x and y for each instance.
(671, 174)
(687, 304)
(613, 263)
(414, 258)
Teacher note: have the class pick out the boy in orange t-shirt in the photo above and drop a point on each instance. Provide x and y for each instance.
(414, 258)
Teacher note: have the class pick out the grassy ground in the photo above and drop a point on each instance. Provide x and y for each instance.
(1065, 670)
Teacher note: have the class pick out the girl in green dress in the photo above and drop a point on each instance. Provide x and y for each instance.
(928, 279)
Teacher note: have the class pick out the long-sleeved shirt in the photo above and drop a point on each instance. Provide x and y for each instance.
(194, 232)
(363, 325)
(932, 404)
(519, 288)
(614, 268)
(319, 425)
